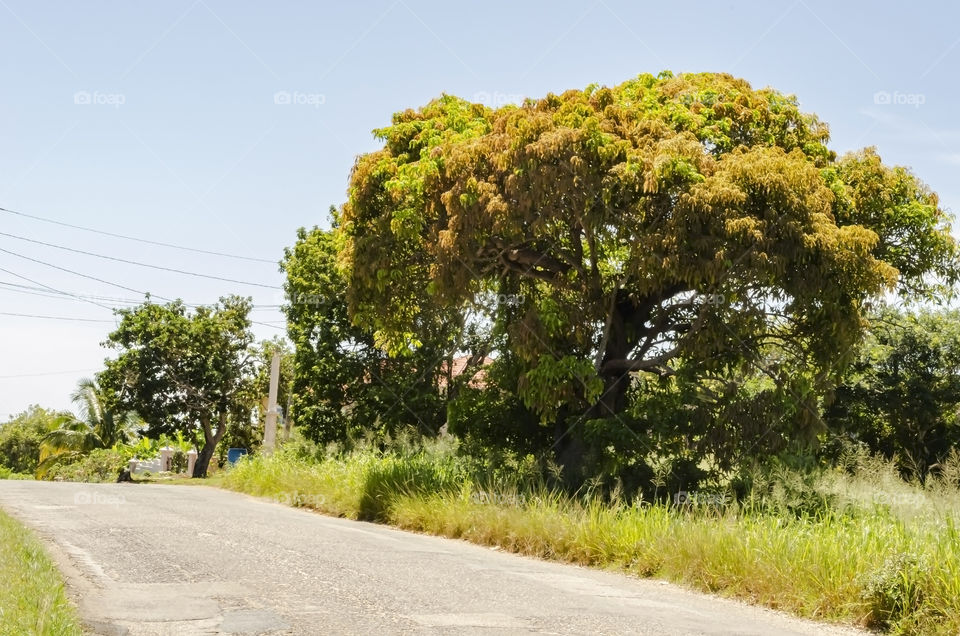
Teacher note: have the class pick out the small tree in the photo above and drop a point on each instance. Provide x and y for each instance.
(344, 384)
(185, 371)
(99, 425)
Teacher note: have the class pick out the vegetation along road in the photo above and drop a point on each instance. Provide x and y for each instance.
(181, 560)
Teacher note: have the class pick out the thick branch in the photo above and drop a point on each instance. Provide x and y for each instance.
(592, 246)
(532, 258)
(602, 349)
(221, 428)
(529, 271)
(624, 365)
(524, 260)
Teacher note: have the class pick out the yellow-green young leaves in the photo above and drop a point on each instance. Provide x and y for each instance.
(667, 218)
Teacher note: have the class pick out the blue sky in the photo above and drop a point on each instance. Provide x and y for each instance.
(168, 121)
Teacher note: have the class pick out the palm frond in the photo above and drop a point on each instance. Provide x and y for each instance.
(65, 457)
(76, 438)
(87, 399)
(129, 427)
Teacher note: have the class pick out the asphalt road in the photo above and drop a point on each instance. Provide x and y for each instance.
(151, 559)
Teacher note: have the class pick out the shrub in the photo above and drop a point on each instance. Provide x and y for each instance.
(101, 465)
(178, 462)
(6, 473)
(894, 590)
(20, 438)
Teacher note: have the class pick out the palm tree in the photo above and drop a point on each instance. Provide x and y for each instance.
(111, 426)
(97, 427)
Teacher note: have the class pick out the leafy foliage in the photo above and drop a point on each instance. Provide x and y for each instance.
(343, 383)
(669, 225)
(21, 436)
(183, 371)
(99, 426)
(901, 397)
(98, 465)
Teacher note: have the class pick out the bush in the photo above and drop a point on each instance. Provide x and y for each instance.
(894, 590)
(6, 473)
(901, 395)
(20, 438)
(101, 465)
(486, 419)
(178, 462)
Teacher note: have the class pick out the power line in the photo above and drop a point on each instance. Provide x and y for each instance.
(30, 280)
(30, 291)
(35, 293)
(75, 273)
(137, 263)
(41, 375)
(123, 302)
(71, 318)
(266, 324)
(137, 239)
(272, 325)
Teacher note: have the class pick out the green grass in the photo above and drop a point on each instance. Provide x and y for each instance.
(877, 553)
(32, 598)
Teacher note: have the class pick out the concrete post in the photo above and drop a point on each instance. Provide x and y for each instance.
(166, 458)
(270, 424)
(191, 460)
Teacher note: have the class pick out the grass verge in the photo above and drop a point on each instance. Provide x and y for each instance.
(32, 598)
(878, 553)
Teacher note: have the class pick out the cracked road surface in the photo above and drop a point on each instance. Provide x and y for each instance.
(154, 559)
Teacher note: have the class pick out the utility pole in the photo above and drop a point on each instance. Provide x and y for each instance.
(270, 425)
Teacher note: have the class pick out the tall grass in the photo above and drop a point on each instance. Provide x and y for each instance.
(32, 600)
(857, 546)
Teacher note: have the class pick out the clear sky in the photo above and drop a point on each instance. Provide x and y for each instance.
(226, 125)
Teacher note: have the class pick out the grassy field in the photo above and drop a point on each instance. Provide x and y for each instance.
(32, 600)
(865, 549)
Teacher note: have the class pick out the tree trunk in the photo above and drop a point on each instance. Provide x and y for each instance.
(570, 448)
(203, 460)
(619, 344)
(211, 440)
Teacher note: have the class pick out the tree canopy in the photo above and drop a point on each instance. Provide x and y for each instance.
(901, 396)
(185, 371)
(666, 223)
(344, 386)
